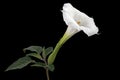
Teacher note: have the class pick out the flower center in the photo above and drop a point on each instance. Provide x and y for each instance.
(78, 22)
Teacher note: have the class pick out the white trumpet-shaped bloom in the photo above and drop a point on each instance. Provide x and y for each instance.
(77, 21)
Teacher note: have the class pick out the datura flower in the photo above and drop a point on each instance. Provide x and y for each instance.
(76, 21)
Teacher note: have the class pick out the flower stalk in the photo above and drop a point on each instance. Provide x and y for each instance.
(52, 57)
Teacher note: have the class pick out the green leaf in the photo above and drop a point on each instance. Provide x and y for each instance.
(48, 50)
(20, 63)
(51, 67)
(38, 56)
(38, 64)
(36, 49)
(43, 53)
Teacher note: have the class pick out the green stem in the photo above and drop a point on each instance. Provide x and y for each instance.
(52, 56)
(47, 73)
(46, 68)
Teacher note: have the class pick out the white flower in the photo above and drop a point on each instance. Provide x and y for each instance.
(78, 21)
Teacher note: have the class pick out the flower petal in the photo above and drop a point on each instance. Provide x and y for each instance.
(70, 21)
(90, 28)
(78, 20)
(89, 31)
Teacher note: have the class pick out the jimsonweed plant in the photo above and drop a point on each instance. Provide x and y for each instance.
(37, 56)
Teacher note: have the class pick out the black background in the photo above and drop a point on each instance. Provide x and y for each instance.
(26, 23)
